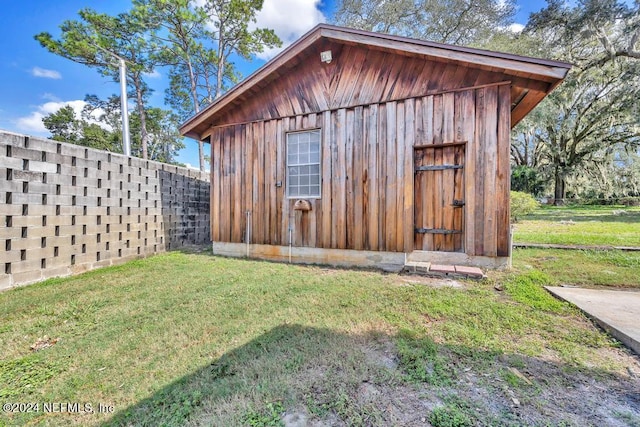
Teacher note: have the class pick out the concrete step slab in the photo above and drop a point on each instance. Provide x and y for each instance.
(617, 312)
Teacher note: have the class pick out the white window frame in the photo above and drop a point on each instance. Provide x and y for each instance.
(309, 160)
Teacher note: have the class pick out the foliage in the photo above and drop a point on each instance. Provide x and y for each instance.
(521, 204)
(99, 127)
(99, 40)
(232, 21)
(526, 179)
(450, 21)
(450, 416)
(270, 417)
(583, 127)
(195, 40)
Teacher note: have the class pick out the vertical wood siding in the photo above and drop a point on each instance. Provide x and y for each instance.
(367, 169)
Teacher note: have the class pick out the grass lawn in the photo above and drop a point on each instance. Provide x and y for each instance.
(581, 225)
(193, 339)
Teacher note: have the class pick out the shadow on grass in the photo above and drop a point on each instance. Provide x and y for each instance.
(307, 374)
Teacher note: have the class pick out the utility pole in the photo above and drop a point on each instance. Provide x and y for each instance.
(124, 112)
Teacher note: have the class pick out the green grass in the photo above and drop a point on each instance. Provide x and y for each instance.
(581, 225)
(191, 338)
(587, 268)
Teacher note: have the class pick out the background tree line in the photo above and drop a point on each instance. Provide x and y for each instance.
(195, 41)
(583, 140)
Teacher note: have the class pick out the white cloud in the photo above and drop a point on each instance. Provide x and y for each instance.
(289, 19)
(155, 74)
(33, 122)
(515, 28)
(44, 73)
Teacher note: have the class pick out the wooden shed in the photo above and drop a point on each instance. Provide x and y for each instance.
(361, 148)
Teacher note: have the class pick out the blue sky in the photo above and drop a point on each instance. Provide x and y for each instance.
(34, 82)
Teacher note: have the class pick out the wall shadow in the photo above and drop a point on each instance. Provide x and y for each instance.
(185, 210)
(342, 379)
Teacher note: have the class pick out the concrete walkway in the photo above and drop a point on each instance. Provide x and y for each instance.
(617, 312)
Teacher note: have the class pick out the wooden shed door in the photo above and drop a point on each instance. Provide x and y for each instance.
(439, 198)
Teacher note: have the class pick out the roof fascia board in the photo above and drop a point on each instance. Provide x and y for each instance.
(477, 57)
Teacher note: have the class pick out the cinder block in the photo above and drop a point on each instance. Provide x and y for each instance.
(58, 178)
(42, 144)
(72, 150)
(5, 282)
(39, 166)
(18, 198)
(11, 186)
(25, 266)
(80, 268)
(8, 232)
(13, 139)
(98, 155)
(26, 153)
(22, 175)
(26, 277)
(61, 271)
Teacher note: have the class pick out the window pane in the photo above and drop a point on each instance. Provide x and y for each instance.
(293, 180)
(314, 179)
(314, 158)
(304, 180)
(315, 190)
(304, 191)
(314, 169)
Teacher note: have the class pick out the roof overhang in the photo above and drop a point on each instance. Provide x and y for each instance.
(537, 77)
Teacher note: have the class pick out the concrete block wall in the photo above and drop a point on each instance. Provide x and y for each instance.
(65, 208)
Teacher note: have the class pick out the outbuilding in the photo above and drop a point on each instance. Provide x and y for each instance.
(359, 148)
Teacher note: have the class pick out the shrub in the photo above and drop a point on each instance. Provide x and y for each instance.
(521, 204)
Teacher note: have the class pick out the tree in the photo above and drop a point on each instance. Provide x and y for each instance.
(231, 22)
(447, 21)
(97, 39)
(593, 114)
(63, 125)
(99, 127)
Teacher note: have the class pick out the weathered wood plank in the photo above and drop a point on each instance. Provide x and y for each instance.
(280, 177)
(448, 175)
(326, 165)
(359, 169)
(490, 161)
(350, 184)
(236, 190)
(436, 184)
(382, 174)
(409, 138)
(286, 223)
(373, 223)
(215, 185)
(503, 177)
(269, 182)
(480, 170)
(467, 130)
(226, 196)
(340, 192)
(391, 185)
(399, 177)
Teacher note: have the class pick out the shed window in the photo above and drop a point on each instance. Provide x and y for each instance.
(303, 164)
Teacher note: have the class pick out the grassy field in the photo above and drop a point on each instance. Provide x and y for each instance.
(582, 225)
(193, 339)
